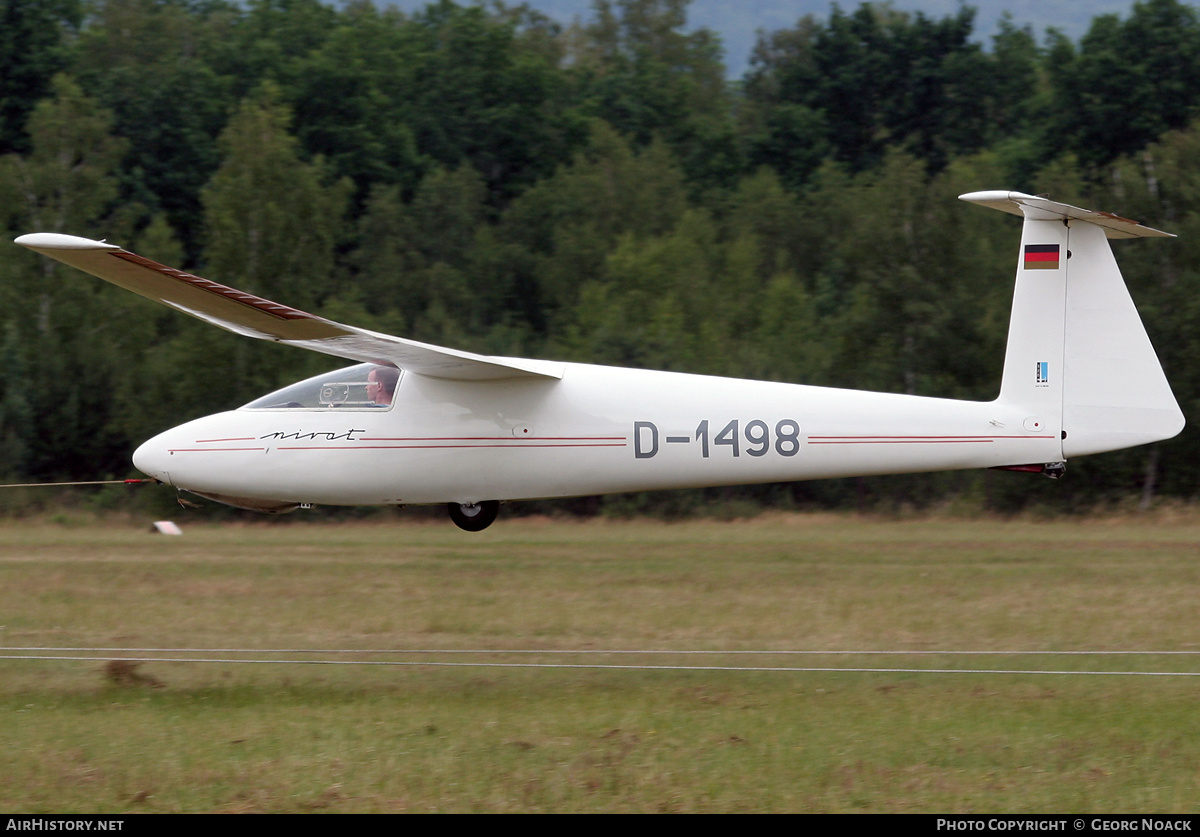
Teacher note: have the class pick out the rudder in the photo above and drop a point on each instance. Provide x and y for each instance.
(1115, 394)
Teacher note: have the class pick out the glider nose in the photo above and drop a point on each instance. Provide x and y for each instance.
(151, 459)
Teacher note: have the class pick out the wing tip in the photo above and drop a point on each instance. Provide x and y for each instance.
(58, 241)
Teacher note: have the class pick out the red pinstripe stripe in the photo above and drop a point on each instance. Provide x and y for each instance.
(447, 447)
(206, 450)
(913, 440)
(493, 439)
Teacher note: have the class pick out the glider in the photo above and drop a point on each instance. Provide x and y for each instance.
(414, 423)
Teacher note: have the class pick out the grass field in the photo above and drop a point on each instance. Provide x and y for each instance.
(76, 736)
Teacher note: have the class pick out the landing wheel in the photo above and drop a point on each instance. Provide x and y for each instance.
(474, 517)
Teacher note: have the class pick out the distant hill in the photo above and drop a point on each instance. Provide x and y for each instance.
(738, 21)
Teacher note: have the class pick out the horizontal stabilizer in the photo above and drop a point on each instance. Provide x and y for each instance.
(1043, 209)
(253, 316)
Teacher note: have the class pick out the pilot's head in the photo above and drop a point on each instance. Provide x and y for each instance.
(381, 384)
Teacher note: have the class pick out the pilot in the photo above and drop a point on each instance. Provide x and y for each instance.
(381, 385)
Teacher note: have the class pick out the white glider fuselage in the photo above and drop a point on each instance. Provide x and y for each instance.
(1080, 377)
(596, 430)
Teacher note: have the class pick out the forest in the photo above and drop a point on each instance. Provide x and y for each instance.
(483, 177)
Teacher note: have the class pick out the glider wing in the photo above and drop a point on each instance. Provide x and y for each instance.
(250, 315)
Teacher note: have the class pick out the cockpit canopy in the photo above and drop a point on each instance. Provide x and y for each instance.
(367, 386)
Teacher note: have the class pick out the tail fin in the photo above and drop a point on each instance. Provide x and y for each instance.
(1078, 358)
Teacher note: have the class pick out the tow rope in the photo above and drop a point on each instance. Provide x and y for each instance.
(89, 482)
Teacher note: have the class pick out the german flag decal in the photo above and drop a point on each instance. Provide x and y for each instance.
(1041, 256)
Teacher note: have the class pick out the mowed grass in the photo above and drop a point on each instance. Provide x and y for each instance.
(288, 737)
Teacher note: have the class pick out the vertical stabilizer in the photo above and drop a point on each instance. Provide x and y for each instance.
(1033, 361)
(1078, 357)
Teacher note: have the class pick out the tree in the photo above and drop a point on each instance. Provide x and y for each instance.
(876, 80)
(567, 225)
(273, 222)
(638, 70)
(151, 64)
(33, 48)
(67, 181)
(414, 259)
(1129, 81)
(69, 329)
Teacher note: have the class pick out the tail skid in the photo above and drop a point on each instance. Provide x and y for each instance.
(1078, 358)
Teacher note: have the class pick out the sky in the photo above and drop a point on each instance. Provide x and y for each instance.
(738, 21)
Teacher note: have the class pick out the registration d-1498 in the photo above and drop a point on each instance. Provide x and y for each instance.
(754, 438)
